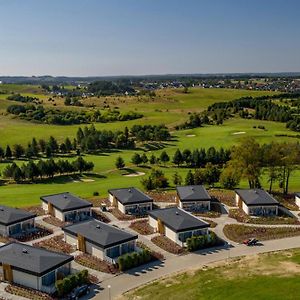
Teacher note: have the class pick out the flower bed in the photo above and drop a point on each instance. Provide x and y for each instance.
(225, 196)
(142, 227)
(55, 222)
(242, 217)
(27, 293)
(56, 243)
(209, 214)
(98, 215)
(120, 216)
(95, 263)
(36, 210)
(162, 196)
(167, 244)
(286, 200)
(238, 233)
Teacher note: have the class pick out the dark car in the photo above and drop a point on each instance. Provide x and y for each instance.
(79, 292)
(251, 242)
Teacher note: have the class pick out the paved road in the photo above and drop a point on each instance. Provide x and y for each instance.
(139, 276)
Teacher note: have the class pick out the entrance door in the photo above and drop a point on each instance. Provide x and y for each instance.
(50, 209)
(81, 243)
(7, 273)
(161, 227)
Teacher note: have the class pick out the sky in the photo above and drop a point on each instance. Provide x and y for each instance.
(137, 37)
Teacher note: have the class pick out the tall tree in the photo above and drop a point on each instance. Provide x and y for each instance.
(246, 158)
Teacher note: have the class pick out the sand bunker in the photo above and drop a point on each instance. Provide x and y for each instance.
(134, 174)
(239, 132)
(87, 180)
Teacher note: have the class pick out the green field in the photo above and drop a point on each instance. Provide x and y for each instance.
(16, 131)
(169, 107)
(266, 276)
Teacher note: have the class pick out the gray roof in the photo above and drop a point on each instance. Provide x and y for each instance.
(32, 260)
(256, 197)
(177, 219)
(297, 194)
(10, 215)
(99, 233)
(130, 195)
(192, 193)
(66, 201)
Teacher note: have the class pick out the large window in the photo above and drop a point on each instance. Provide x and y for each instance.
(183, 236)
(15, 229)
(127, 247)
(48, 279)
(113, 252)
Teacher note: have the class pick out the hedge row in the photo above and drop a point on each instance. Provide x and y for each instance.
(202, 241)
(66, 285)
(134, 259)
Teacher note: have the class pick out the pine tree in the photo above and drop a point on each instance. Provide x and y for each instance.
(189, 179)
(120, 164)
(177, 158)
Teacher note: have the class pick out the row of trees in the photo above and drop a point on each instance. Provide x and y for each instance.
(196, 158)
(87, 139)
(46, 169)
(36, 148)
(38, 113)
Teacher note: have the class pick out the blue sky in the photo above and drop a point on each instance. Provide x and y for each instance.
(119, 37)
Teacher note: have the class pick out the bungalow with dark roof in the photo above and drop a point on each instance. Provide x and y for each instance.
(32, 267)
(193, 198)
(297, 199)
(177, 224)
(67, 207)
(14, 221)
(130, 201)
(99, 239)
(256, 202)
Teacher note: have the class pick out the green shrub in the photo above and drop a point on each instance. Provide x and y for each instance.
(66, 285)
(202, 241)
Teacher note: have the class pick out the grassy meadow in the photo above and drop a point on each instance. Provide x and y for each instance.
(169, 107)
(265, 276)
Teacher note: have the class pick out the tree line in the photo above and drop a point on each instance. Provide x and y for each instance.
(46, 169)
(87, 139)
(38, 113)
(189, 158)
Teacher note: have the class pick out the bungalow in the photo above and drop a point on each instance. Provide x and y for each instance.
(193, 198)
(297, 199)
(32, 267)
(177, 224)
(256, 202)
(67, 207)
(14, 221)
(99, 239)
(130, 201)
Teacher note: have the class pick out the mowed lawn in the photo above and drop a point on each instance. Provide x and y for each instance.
(266, 276)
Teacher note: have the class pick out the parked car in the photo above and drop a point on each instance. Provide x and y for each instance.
(251, 242)
(79, 292)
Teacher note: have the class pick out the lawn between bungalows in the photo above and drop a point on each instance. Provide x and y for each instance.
(272, 275)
